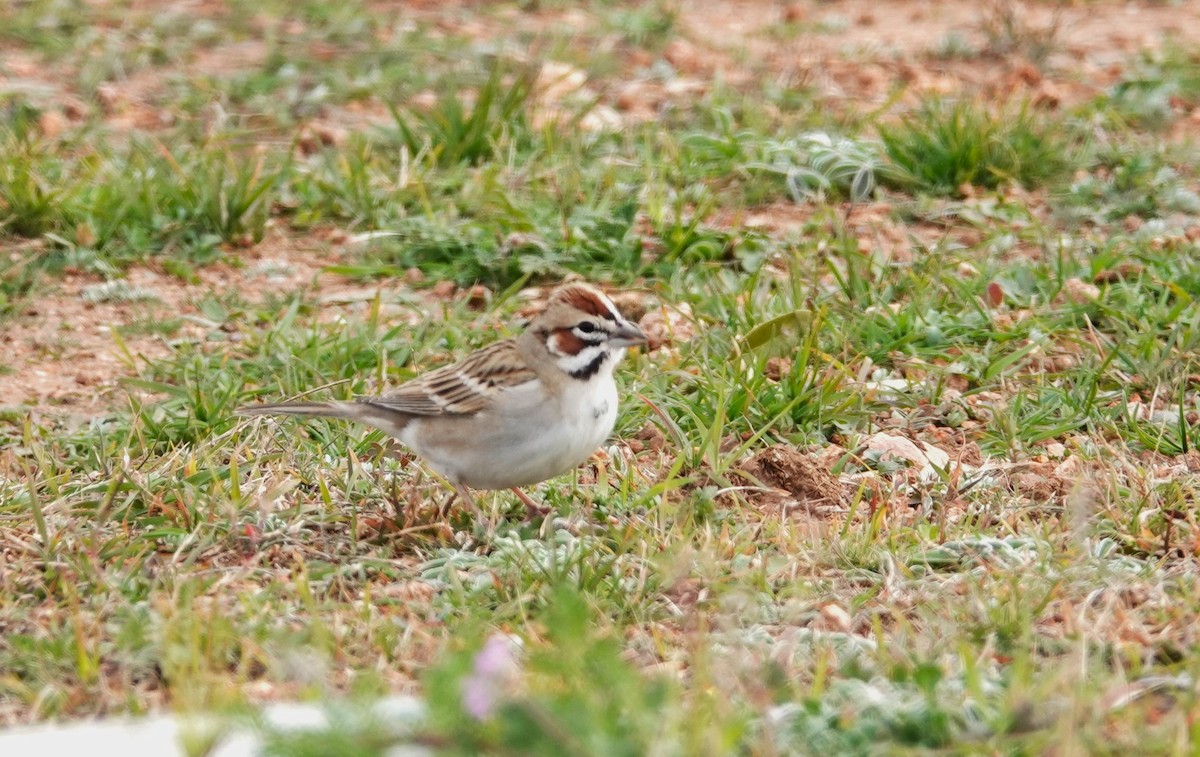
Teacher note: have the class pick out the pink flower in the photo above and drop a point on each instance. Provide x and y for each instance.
(495, 667)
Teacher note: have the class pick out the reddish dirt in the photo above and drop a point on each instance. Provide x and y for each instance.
(64, 355)
(872, 48)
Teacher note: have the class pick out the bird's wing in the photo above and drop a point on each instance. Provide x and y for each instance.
(464, 388)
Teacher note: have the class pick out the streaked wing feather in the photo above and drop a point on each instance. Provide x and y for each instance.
(464, 388)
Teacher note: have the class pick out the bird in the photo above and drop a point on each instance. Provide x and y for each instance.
(514, 413)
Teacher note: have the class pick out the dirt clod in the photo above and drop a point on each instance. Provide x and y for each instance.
(789, 469)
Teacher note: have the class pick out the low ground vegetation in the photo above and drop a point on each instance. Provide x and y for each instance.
(910, 463)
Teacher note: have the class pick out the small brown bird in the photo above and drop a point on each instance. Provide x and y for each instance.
(514, 413)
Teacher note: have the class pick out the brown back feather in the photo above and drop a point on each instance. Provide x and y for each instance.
(443, 391)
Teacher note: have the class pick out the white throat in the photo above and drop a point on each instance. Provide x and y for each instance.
(592, 360)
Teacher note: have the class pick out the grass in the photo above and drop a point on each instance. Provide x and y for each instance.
(945, 146)
(1130, 181)
(910, 469)
(1009, 29)
(1156, 91)
(454, 133)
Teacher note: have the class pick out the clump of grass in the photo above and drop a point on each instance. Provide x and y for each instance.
(34, 187)
(19, 279)
(458, 129)
(1157, 87)
(188, 198)
(646, 24)
(1128, 181)
(51, 26)
(945, 145)
(113, 207)
(228, 194)
(358, 183)
(461, 251)
(1008, 31)
(18, 116)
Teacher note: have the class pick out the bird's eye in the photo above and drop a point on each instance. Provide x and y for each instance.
(586, 327)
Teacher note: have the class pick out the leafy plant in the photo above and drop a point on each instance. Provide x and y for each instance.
(818, 164)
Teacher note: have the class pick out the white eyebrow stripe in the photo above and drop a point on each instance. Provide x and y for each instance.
(612, 309)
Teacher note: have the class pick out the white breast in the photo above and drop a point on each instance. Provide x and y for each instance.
(526, 439)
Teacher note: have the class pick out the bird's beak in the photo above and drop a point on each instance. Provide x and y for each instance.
(627, 335)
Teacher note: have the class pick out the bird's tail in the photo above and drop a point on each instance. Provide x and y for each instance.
(391, 421)
(351, 410)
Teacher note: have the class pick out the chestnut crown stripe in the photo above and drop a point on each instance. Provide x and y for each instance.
(585, 300)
